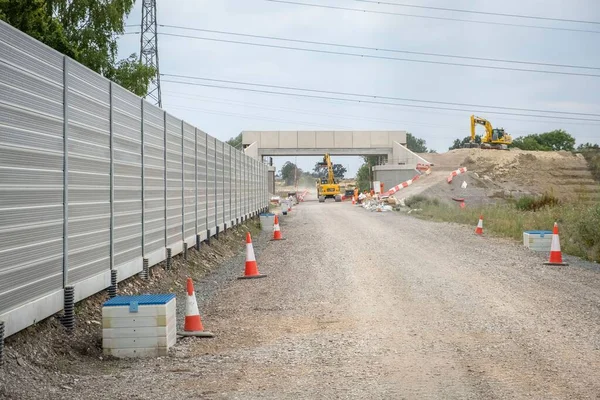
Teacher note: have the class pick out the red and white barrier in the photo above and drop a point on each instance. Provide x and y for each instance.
(400, 186)
(457, 172)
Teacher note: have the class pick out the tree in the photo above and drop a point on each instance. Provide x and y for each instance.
(555, 140)
(289, 172)
(235, 142)
(363, 177)
(338, 171)
(529, 142)
(85, 30)
(415, 144)
(588, 146)
(458, 144)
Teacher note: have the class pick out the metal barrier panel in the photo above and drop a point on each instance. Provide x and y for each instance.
(89, 173)
(31, 170)
(238, 184)
(227, 183)
(174, 197)
(219, 180)
(189, 183)
(234, 195)
(127, 178)
(154, 182)
(211, 184)
(202, 181)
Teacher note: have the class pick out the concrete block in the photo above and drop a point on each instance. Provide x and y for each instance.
(249, 137)
(306, 139)
(342, 139)
(269, 140)
(137, 352)
(288, 139)
(324, 139)
(139, 326)
(537, 240)
(379, 139)
(396, 136)
(361, 140)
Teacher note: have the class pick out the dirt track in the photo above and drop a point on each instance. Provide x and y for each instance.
(363, 305)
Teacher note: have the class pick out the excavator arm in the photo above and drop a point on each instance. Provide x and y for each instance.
(488, 129)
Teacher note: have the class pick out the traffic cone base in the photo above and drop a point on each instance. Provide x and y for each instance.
(555, 252)
(251, 270)
(193, 322)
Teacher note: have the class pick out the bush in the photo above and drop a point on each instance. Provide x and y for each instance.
(419, 200)
(529, 203)
(592, 157)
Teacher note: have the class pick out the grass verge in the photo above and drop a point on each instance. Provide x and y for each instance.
(579, 225)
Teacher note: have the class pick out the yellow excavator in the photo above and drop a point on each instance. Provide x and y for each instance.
(328, 187)
(494, 138)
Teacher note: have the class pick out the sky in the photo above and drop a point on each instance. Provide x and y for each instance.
(224, 113)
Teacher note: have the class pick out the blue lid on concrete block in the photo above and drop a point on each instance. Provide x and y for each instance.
(541, 233)
(142, 300)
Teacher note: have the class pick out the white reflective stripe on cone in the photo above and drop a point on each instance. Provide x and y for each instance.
(555, 246)
(250, 252)
(191, 305)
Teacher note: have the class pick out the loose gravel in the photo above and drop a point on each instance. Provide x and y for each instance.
(366, 305)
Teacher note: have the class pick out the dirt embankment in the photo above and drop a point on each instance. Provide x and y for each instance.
(496, 174)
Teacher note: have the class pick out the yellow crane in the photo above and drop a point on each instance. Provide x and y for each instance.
(494, 138)
(327, 187)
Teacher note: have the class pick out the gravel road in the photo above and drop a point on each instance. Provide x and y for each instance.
(364, 305)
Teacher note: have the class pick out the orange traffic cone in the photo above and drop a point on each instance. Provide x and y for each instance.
(251, 271)
(276, 230)
(555, 253)
(353, 202)
(479, 229)
(193, 323)
(290, 206)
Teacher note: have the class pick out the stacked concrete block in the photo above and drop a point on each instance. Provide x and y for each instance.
(537, 240)
(139, 326)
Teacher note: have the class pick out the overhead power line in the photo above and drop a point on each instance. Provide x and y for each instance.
(389, 3)
(432, 17)
(377, 102)
(340, 53)
(371, 96)
(378, 48)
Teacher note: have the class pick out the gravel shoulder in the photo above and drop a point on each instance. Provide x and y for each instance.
(360, 304)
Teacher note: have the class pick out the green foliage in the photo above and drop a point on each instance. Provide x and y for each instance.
(530, 203)
(588, 228)
(338, 171)
(363, 178)
(549, 141)
(579, 224)
(85, 30)
(458, 144)
(588, 147)
(235, 142)
(419, 200)
(530, 142)
(132, 75)
(290, 172)
(415, 144)
(591, 152)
